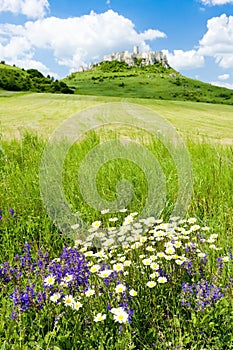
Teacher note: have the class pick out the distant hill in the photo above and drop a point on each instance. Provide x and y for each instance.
(17, 79)
(114, 78)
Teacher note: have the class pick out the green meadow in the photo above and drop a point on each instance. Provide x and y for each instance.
(42, 113)
(161, 282)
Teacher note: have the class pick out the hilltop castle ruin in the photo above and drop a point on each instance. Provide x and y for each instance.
(133, 58)
(145, 58)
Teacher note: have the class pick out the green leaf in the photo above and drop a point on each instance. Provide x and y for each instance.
(48, 337)
(176, 322)
(194, 319)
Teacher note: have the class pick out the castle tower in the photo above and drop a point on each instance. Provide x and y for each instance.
(136, 50)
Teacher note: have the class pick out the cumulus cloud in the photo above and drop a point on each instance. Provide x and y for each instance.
(17, 46)
(217, 41)
(224, 76)
(216, 2)
(222, 84)
(18, 51)
(29, 8)
(151, 34)
(78, 40)
(180, 59)
(224, 60)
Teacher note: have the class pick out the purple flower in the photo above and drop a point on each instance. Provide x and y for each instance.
(120, 329)
(189, 267)
(73, 263)
(200, 295)
(34, 296)
(23, 300)
(220, 265)
(131, 312)
(12, 213)
(14, 315)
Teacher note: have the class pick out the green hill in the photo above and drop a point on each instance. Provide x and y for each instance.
(119, 80)
(16, 79)
(153, 81)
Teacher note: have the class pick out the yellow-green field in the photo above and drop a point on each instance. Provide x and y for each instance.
(42, 113)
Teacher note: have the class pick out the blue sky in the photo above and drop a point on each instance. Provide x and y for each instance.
(57, 36)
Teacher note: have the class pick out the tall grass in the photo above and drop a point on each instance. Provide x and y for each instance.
(24, 220)
(212, 194)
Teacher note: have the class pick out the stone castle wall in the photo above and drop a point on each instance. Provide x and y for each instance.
(130, 58)
(146, 58)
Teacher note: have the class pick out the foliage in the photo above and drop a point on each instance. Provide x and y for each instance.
(16, 79)
(111, 66)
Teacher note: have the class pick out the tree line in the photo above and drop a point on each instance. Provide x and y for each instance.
(17, 79)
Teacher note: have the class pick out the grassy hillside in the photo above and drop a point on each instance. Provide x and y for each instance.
(155, 82)
(16, 79)
(116, 79)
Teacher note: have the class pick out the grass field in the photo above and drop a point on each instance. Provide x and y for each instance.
(153, 285)
(42, 113)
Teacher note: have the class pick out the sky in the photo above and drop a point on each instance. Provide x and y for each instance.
(58, 36)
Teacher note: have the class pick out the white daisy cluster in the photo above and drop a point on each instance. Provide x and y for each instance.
(154, 243)
(67, 300)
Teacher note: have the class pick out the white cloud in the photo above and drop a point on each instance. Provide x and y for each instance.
(180, 59)
(19, 52)
(224, 60)
(151, 34)
(222, 84)
(217, 42)
(30, 63)
(29, 8)
(78, 40)
(16, 47)
(216, 2)
(224, 76)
